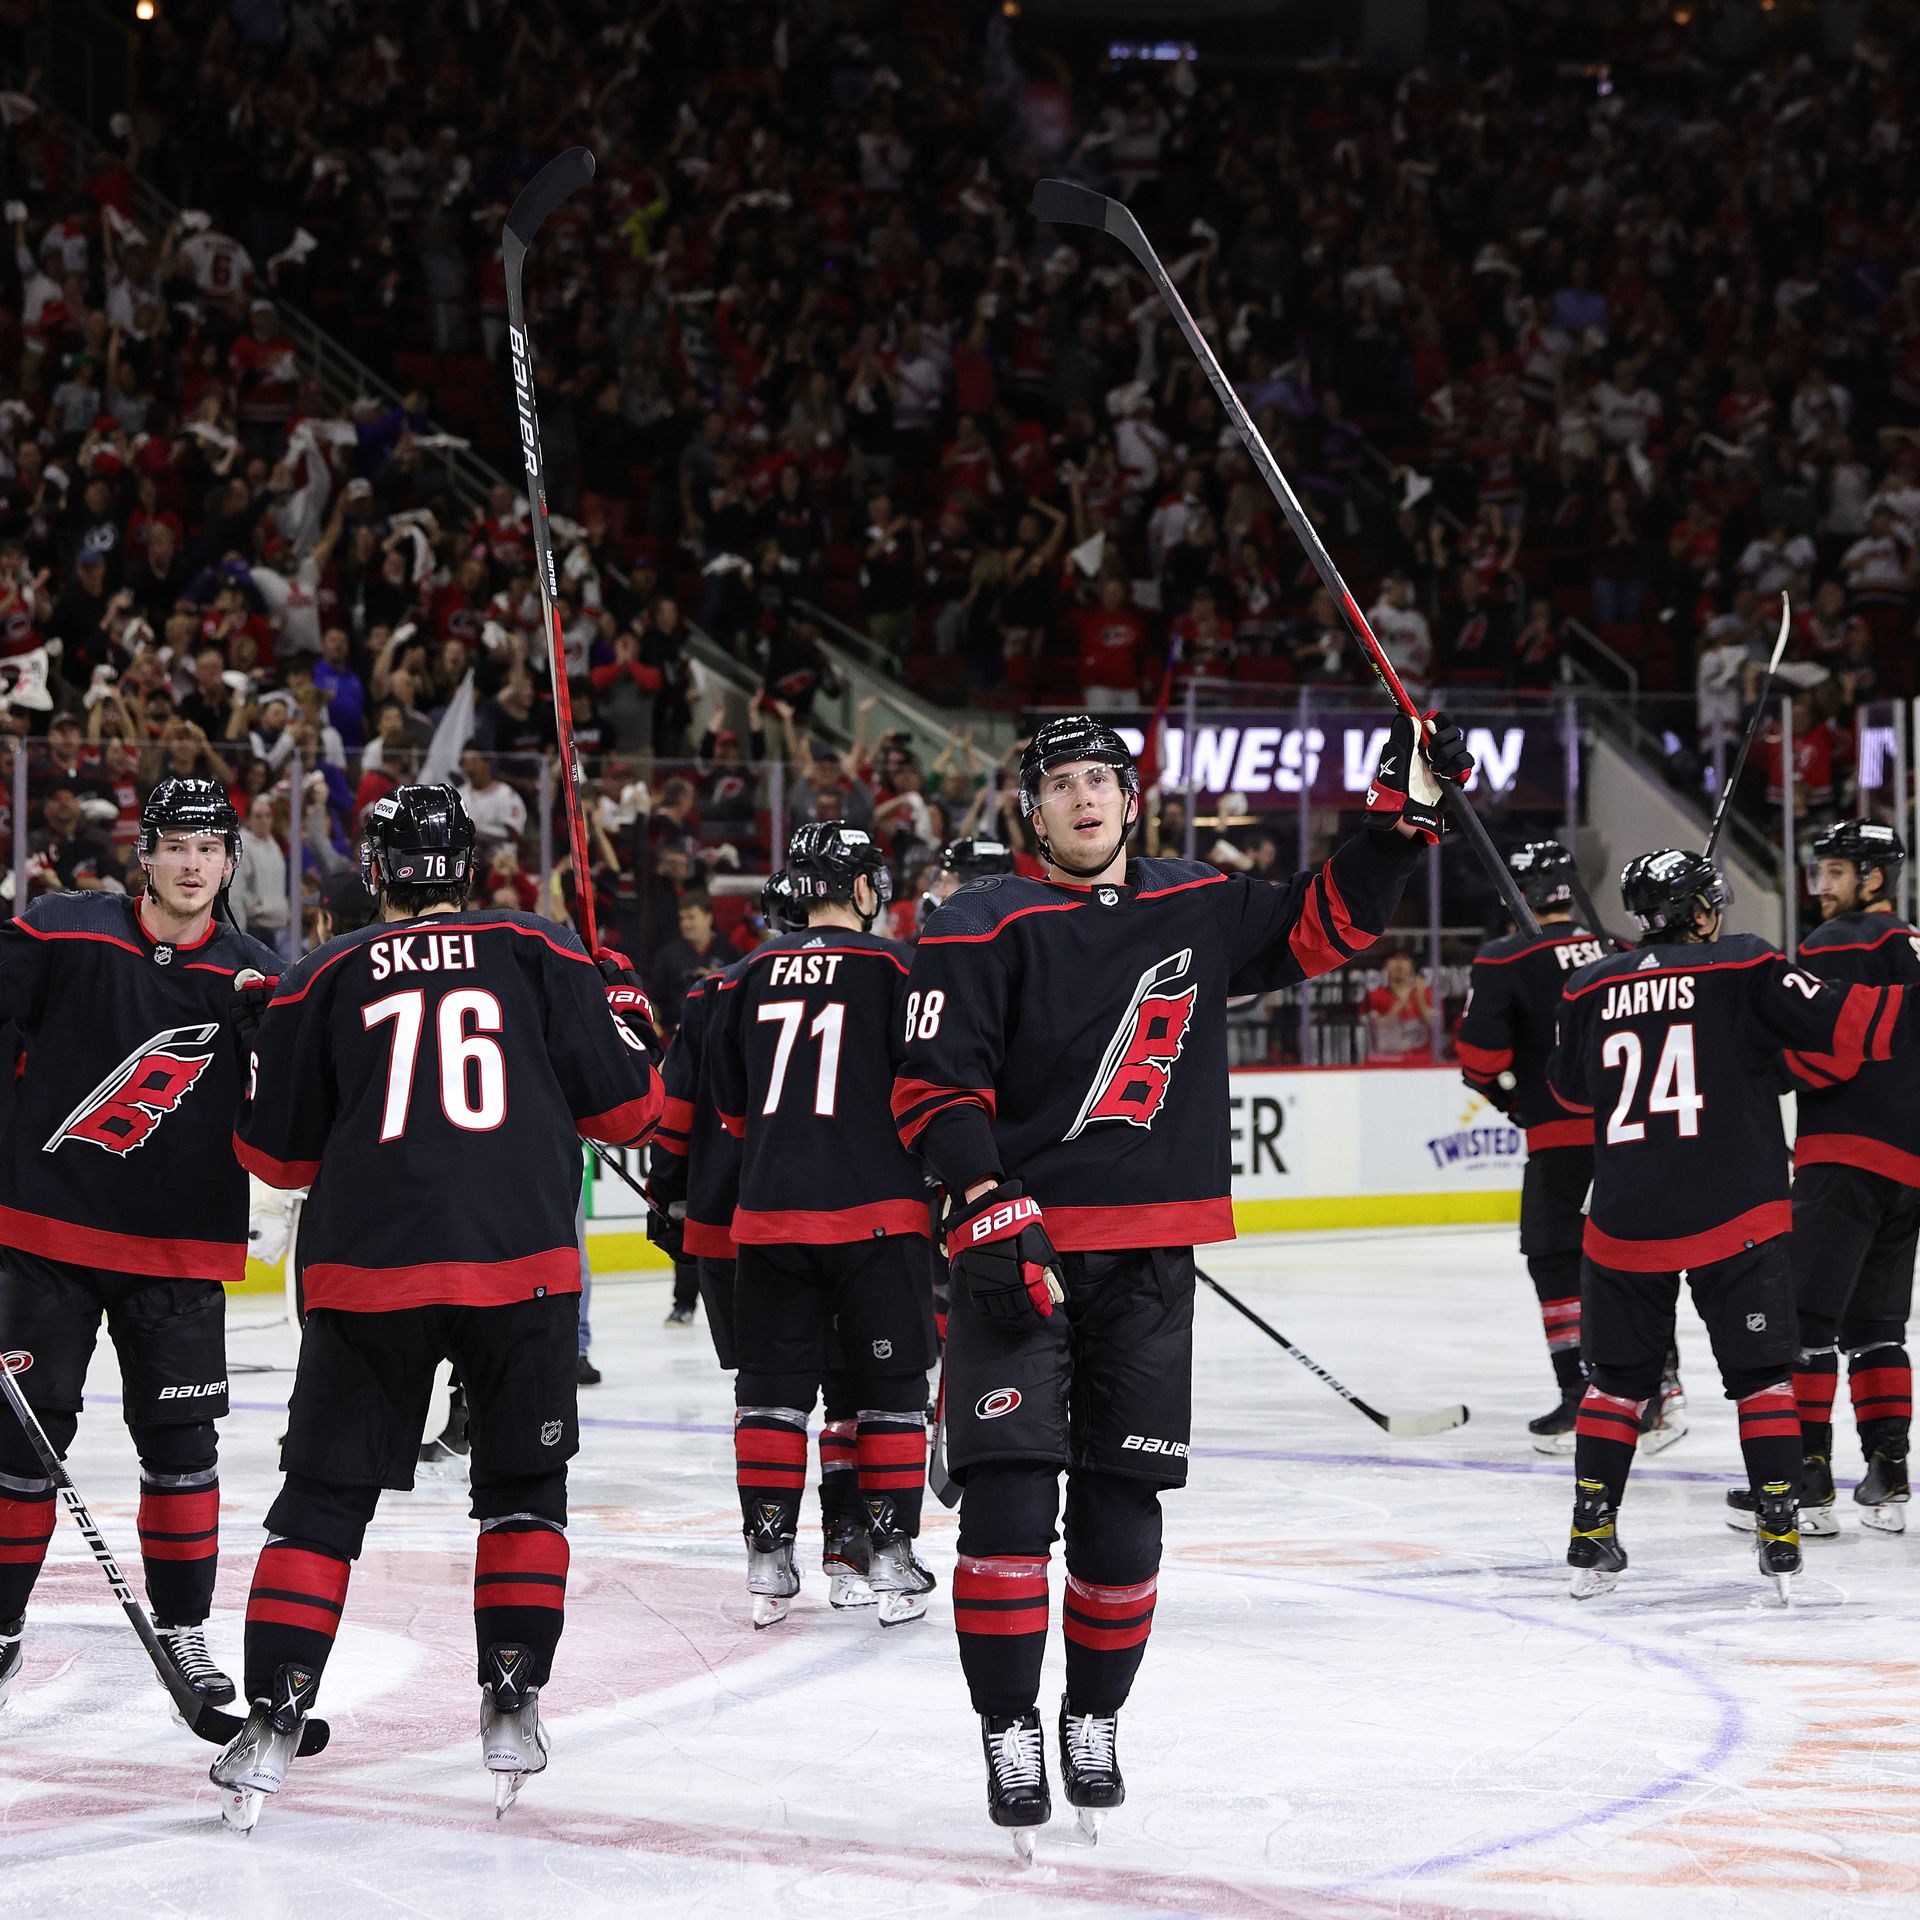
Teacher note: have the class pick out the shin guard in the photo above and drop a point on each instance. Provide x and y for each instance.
(180, 1543)
(1000, 1615)
(1770, 1441)
(1605, 1437)
(293, 1611)
(520, 1590)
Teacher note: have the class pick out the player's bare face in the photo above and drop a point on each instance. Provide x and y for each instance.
(185, 873)
(1082, 816)
(1838, 886)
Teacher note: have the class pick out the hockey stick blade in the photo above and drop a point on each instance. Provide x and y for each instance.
(1400, 1426)
(560, 179)
(211, 1723)
(1062, 204)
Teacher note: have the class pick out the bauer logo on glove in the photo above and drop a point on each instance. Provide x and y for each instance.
(1408, 784)
(1002, 1256)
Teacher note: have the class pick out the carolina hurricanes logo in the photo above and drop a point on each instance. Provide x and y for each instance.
(124, 1109)
(1138, 1063)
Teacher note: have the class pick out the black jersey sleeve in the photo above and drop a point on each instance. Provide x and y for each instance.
(609, 1084)
(959, 996)
(1567, 1078)
(1828, 1029)
(1485, 1041)
(680, 1086)
(287, 1108)
(26, 950)
(1282, 932)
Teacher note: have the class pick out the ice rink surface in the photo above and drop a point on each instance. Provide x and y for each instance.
(1367, 1691)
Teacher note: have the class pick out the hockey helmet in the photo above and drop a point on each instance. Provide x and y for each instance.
(417, 837)
(1867, 843)
(1545, 871)
(975, 858)
(778, 908)
(1662, 889)
(1074, 736)
(180, 805)
(826, 857)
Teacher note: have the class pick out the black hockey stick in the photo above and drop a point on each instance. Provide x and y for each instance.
(1753, 728)
(211, 1723)
(558, 180)
(1060, 203)
(1402, 1426)
(608, 1159)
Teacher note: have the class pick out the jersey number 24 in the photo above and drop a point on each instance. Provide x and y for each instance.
(1674, 1089)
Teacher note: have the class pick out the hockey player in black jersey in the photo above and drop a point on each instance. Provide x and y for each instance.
(1675, 1052)
(1066, 1077)
(1856, 1198)
(976, 858)
(831, 1226)
(694, 1173)
(1505, 1037)
(120, 1195)
(431, 1077)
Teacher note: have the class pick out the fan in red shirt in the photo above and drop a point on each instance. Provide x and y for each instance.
(460, 607)
(1112, 637)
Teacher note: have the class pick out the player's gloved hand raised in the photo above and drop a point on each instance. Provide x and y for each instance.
(1000, 1253)
(1407, 784)
(628, 1000)
(252, 991)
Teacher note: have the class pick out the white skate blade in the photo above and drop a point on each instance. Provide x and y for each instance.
(1740, 1519)
(1086, 1821)
(898, 1608)
(1588, 1583)
(1819, 1523)
(769, 1609)
(1784, 1582)
(849, 1590)
(1023, 1838)
(1887, 1519)
(240, 1808)
(1657, 1439)
(1555, 1443)
(506, 1790)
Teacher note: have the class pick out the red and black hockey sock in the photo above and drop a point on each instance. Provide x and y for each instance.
(1770, 1435)
(1000, 1583)
(1556, 1285)
(1113, 1576)
(1816, 1374)
(180, 1543)
(840, 1472)
(520, 1590)
(770, 1468)
(1880, 1381)
(1604, 1439)
(893, 1468)
(26, 1525)
(293, 1611)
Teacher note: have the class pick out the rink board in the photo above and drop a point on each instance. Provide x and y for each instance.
(1314, 1149)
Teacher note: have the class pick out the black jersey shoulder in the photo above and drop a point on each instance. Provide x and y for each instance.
(1152, 877)
(1518, 944)
(115, 919)
(1733, 950)
(295, 983)
(980, 909)
(1855, 933)
(838, 940)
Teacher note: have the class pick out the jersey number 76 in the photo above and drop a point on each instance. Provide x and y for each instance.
(473, 1070)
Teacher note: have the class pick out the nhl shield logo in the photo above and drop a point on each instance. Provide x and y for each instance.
(1107, 896)
(883, 1349)
(550, 1433)
(1756, 1322)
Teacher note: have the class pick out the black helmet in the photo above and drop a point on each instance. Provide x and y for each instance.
(1545, 871)
(825, 858)
(778, 908)
(1075, 736)
(1867, 843)
(417, 837)
(179, 805)
(972, 859)
(1662, 889)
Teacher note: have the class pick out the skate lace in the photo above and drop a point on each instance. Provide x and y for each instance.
(1017, 1756)
(1090, 1740)
(188, 1646)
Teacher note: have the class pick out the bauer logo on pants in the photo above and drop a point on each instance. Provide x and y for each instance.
(122, 1112)
(990, 1406)
(1134, 1071)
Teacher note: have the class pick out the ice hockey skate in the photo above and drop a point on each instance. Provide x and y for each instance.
(1665, 1418)
(1777, 1537)
(899, 1580)
(254, 1762)
(1882, 1495)
(1090, 1766)
(513, 1740)
(1594, 1552)
(1017, 1795)
(10, 1655)
(846, 1555)
(1553, 1432)
(773, 1575)
(186, 1647)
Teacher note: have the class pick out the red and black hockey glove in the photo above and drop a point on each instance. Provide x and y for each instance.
(628, 1001)
(252, 992)
(1408, 782)
(1000, 1253)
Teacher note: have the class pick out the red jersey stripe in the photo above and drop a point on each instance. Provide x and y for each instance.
(123, 1252)
(830, 1229)
(444, 1283)
(1764, 1222)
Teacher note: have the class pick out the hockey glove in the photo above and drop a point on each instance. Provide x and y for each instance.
(668, 1230)
(252, 991)
(1001, 1254)
(1407, 784)
(628, 1001)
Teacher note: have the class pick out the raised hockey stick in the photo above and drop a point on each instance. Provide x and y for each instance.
(211, 1723)
(1753, 728)
(558, 180)
(1060, 203)
(1401, 1426)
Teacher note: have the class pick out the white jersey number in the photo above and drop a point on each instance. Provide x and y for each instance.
(1674, 1088)
(828, 1024)
(473, 1070)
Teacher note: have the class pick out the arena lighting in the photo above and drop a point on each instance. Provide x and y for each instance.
(144, 9)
